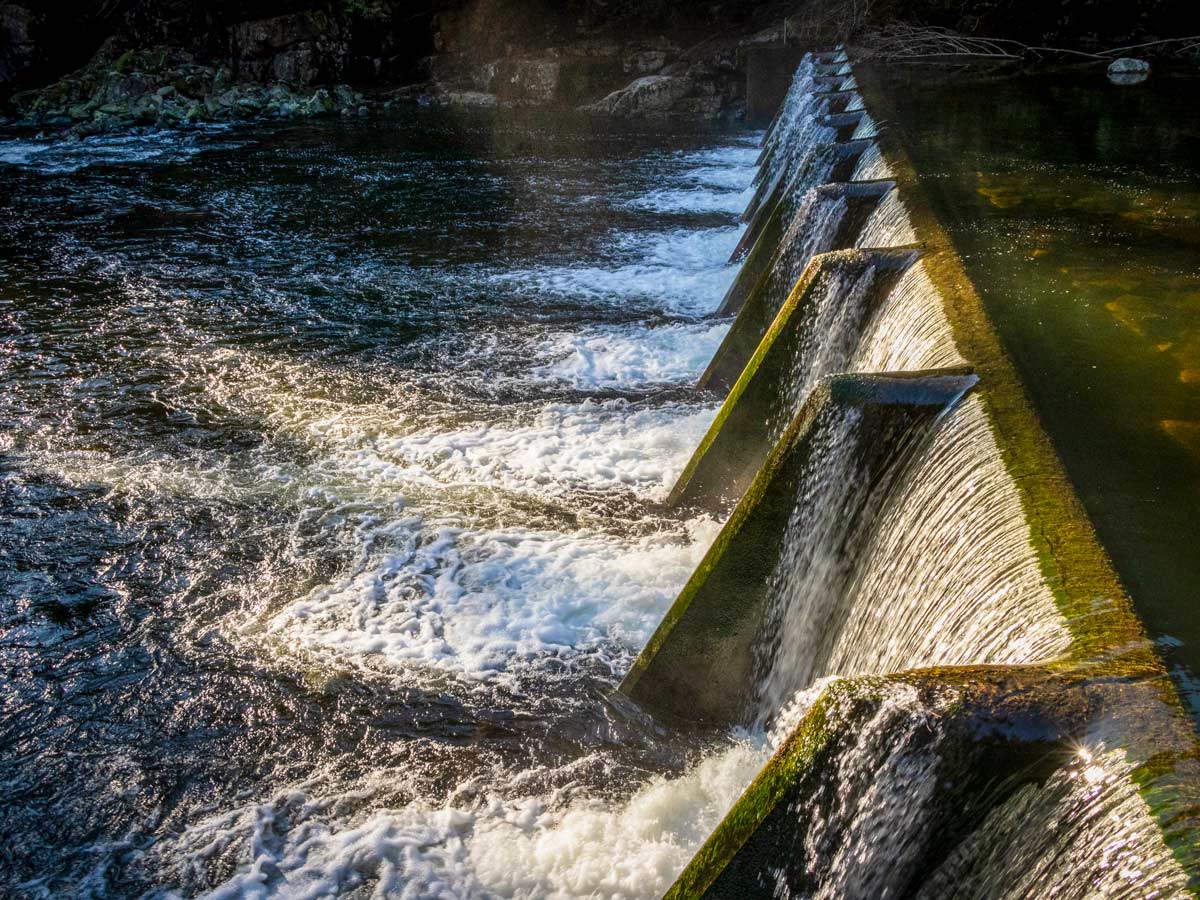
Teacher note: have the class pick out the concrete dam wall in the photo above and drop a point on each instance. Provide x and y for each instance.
(906, 588)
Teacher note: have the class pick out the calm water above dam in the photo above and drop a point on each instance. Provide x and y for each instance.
(1076, 205)
(332, 458)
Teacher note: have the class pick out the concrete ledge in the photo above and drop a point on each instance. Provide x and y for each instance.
(699, 663)
(981, 755)
(760, 402)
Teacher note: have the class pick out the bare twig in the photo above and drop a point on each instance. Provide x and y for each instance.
(1195, 42)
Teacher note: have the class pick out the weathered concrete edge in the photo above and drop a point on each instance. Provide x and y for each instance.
(1174, 810)
(795, 302)
(1108, 639)
(800, 290)
(729, 531)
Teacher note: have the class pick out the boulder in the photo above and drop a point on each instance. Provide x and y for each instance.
(299, 48)
(645, 62)
(533, 80)
(1128, 70)
(469, 98)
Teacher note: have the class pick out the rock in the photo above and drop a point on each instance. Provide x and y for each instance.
(644, 62)
(18, 50)
(299, 65)
(535, 80)
(144, 109)
(298, 48)
(319, 103)
(1128, 70)
(649, 95)
(484, 76)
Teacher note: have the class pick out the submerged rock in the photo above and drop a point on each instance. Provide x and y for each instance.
(1128, 71)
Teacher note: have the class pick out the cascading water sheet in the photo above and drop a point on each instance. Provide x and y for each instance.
(888, 225)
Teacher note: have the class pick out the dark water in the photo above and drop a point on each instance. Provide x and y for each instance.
(329, 469)
(1076, 205)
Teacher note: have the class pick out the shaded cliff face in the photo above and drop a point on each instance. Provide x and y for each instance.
(458, 51)
(289, 41)
(620, 57)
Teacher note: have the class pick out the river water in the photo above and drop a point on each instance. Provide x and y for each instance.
(331, 462)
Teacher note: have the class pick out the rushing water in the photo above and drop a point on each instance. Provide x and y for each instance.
(332, 458)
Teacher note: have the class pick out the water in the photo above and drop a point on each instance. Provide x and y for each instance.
(811, 230)
(906, 548)
(1074, 203)
(333, 457)
(1085, 833)
(888, 224)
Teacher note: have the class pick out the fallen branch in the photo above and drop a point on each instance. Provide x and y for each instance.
(912, 42)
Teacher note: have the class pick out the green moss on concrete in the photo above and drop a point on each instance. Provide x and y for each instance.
(757, 406)
(699, 662)
(1003, 727)
(699, 657)
(795, 756)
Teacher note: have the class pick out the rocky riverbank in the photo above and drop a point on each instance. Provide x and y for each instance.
(165, 87)
(354, 59)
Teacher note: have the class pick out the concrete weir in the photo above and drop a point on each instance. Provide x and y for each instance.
(906, 595)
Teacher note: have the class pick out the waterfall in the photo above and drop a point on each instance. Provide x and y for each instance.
(883, 531)
(883, 785)
(888, 224)
(817, 332)
(872, 166)
(1085, 833)
(802, 162)
(811, 228)
(912, 790)
(910, 331)
(797, 107)
(945, 576)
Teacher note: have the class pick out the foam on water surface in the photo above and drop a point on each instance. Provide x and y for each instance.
(629, 356)
(490, 838)
(296, 845)
(682, 271)
(56, 156)
(481, 603)
(684, 200)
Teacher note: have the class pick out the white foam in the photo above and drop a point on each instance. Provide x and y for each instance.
(57, 156)
(487, 603)
(682, 271)
(295, 845)
(743, 153)
(633, 356)
(702, 200)
(478, 844)
(730, 178)
(594, 445)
